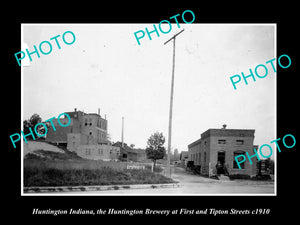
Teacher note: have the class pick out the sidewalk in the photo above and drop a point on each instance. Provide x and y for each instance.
(97, 188)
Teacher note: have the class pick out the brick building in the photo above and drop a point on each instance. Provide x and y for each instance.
(86, 135)
(214, 152)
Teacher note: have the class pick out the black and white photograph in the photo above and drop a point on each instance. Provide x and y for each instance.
(113, 130)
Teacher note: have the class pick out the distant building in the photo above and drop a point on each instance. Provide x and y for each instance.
(220, 146)
(130, 154)
(86, 135)
(184, 156)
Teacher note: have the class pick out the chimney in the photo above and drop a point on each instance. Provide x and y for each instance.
(75, 109)
(99, 111)
(224, 126)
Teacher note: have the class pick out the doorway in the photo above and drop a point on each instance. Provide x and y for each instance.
(221, 162)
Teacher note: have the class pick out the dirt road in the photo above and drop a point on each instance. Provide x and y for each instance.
(191, 184)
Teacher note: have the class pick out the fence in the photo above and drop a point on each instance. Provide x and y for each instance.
(84, 164)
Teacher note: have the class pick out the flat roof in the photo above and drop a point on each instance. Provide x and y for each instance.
(228, 132)
(221, 132)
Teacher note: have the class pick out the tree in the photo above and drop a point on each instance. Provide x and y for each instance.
(176, 152)
(34, 120)
(155, 149)
(175, 155)
(269, 165)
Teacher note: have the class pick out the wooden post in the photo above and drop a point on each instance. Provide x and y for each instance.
(168, 168)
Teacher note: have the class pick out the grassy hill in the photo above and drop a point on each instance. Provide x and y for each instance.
(44, 150)
(48, 165)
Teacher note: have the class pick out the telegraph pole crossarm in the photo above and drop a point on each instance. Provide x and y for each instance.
(174, 36)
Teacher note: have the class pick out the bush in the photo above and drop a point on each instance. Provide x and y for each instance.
(262, 177)
(239, 176)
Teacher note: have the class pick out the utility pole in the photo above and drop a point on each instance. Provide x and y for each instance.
(122, 132)
(168, 168)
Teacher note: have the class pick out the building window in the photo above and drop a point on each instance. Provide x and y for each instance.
(239, 142)
(90, 133)
(235, 165)
(221, 142)
(204, 156)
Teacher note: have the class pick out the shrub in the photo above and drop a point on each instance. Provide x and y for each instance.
(239, 176)
(262, 177)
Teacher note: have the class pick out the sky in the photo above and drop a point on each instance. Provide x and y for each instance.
(106, 68)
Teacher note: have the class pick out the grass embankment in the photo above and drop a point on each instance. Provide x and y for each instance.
(84, 172)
